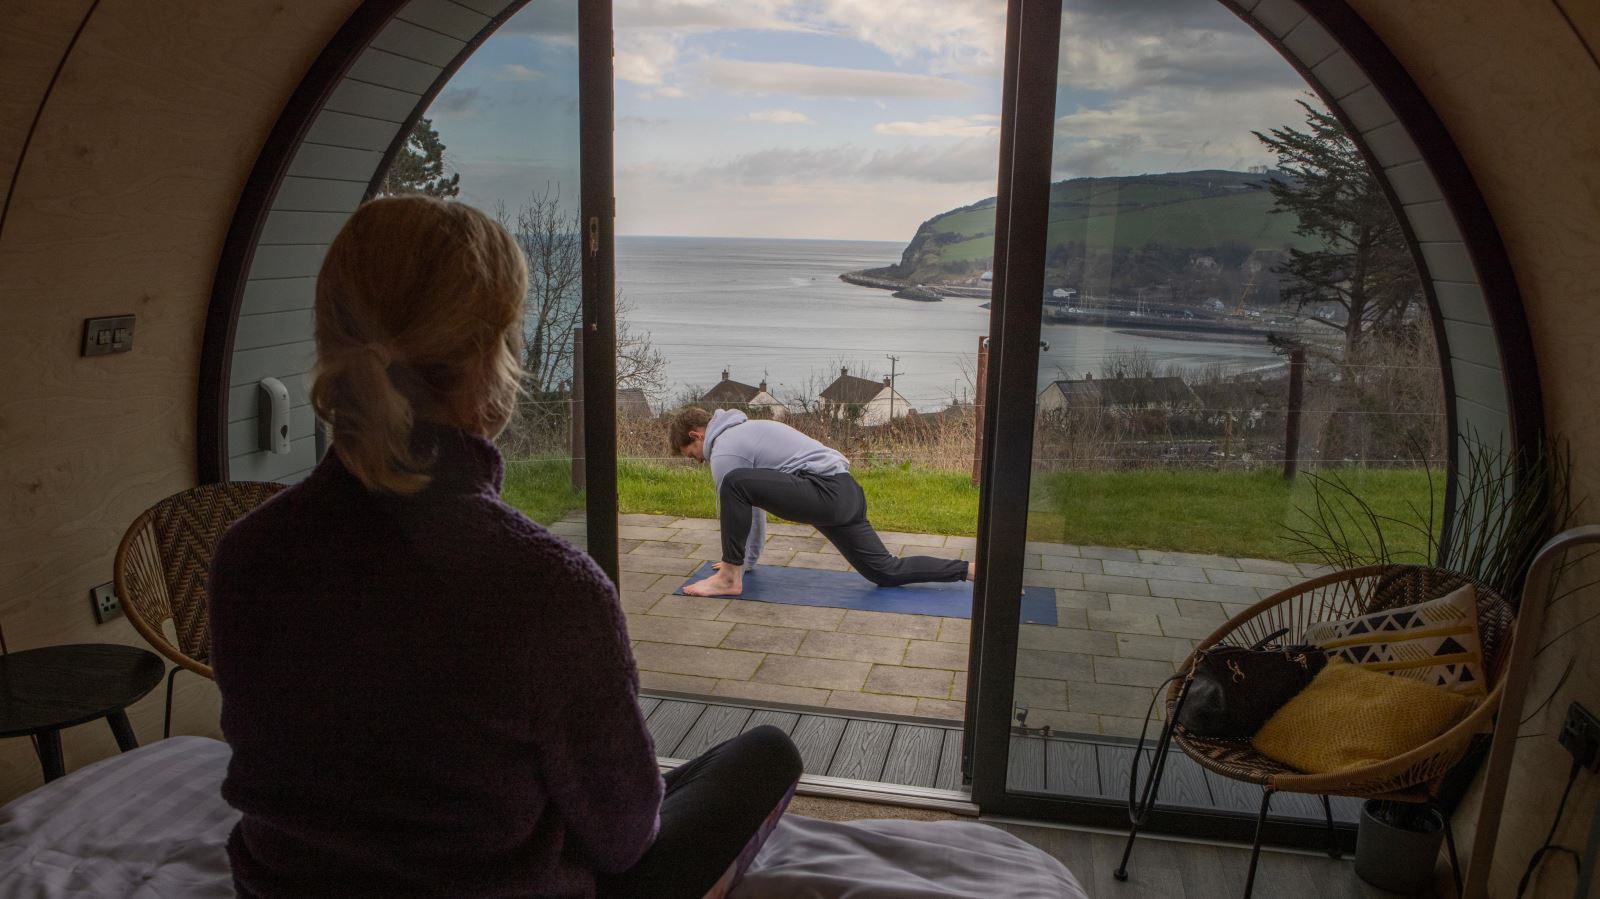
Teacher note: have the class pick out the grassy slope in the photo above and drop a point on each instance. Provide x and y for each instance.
(1182, 210)
(1231, 513)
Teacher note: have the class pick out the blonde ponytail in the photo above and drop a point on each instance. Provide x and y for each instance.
(418, 318)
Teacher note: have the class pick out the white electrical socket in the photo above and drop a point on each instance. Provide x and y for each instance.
(106, 604)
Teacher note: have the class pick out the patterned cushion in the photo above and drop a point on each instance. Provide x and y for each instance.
(1435, 642)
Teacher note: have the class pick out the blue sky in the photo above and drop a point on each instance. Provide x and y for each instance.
(849, 119)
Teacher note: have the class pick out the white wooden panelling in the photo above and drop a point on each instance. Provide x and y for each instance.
(361, 98)
(1279, 16)
(302, 227)
(320, 194)
(1392, 145)
(487, 7)
(1339, 75)
(1482, 384)
(250, 366)
(445, 17)
(1461, 302)
(1310, 42)
(255, 332)
(1472, 342)
(1490, 426)
(259, 466)
(242, 399)
(412, 42)
(244, 436)
(1413, 183)
(343, 163)
(1367, 109)
(278, 295)
(1448, 261)
(377, 67)
(340, 129)
(291, 261)
(1432, 221)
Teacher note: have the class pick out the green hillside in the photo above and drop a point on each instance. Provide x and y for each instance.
(1217, 213)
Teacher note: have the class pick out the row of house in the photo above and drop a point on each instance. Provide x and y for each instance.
(867, 401)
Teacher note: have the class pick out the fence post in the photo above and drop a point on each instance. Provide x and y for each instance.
(1291, 437)
(983, 389)
(575, 413)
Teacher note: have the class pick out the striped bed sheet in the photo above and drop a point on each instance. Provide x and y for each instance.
(151, 824)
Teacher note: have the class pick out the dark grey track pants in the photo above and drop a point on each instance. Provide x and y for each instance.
(834, 505)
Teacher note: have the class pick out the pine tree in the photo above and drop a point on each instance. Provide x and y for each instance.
(419, 166)
(1364, 265)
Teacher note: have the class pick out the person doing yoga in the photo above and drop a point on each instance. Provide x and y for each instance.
(766, 466)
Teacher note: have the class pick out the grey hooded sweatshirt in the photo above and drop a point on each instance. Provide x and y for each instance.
(733, 441)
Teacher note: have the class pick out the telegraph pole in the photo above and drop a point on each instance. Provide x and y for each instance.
(893, 361)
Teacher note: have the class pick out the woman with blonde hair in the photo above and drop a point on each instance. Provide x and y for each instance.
(426, 693)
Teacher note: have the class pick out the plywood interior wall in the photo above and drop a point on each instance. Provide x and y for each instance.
(1521, 97)
(121, 204)
(127, 188)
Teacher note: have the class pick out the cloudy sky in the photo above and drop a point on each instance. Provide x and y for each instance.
(850, 119)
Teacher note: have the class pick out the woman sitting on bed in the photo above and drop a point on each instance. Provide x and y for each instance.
(426, 693)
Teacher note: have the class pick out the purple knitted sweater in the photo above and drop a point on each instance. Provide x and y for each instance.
(425, 696)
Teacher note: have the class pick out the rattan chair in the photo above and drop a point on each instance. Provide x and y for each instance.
(161, 567)
(1415, 777)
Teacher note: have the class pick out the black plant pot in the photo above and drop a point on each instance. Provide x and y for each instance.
(1398, 856)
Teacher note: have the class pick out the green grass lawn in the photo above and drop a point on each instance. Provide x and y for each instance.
(1227, 513)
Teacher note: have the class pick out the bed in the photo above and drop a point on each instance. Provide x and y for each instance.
(151, 824)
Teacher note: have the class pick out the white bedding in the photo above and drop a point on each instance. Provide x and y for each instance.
(151, 824)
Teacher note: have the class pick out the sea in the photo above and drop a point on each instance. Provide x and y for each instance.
(775, 310)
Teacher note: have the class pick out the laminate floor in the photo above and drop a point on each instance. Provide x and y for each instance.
(1166, 869)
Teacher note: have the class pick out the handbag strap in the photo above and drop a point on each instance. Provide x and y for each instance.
(1139, 808)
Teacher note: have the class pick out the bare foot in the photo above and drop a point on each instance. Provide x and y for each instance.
(728, 581)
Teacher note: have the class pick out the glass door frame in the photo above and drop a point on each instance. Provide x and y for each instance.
(1022, 209)
(597, 210)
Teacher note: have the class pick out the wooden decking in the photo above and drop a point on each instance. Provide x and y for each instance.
(926, 754)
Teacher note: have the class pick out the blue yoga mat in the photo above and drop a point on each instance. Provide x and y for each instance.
(848, 590)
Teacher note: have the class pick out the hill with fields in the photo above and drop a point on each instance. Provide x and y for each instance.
(1194, 234)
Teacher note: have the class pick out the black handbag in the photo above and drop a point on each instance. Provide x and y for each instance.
(1227, 694)
(1231, 691)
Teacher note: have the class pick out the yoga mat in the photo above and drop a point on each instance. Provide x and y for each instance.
(848, 590)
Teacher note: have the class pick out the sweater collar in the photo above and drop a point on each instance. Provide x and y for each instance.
(464, 462)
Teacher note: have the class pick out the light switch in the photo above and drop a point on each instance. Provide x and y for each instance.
(113, 334)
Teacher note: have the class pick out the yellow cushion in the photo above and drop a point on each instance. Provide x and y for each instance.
(1435, 642)
(1349, 717)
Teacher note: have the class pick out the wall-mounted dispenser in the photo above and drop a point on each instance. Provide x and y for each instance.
(273, 413)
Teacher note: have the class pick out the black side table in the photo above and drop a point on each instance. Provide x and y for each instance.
(44, 690)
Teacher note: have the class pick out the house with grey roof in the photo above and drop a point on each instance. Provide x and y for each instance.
(750, 398)
(873, 401)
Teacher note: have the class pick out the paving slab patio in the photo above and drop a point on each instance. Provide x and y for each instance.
(1126, 617)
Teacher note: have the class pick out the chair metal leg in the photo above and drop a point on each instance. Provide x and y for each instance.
(1139, 813)
(1255, 849)
(1450, 844)
(1333, 837)
(166, 723)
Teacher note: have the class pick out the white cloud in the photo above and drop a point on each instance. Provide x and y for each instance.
(944, 126)
(518, 72)
(972, 162)
(644, 57)
(1170, 130)
(822, 81)
(965, 36)
(778, 117)
(668, 92)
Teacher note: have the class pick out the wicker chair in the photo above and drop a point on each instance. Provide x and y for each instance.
(1415, 777)
(161, 567)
